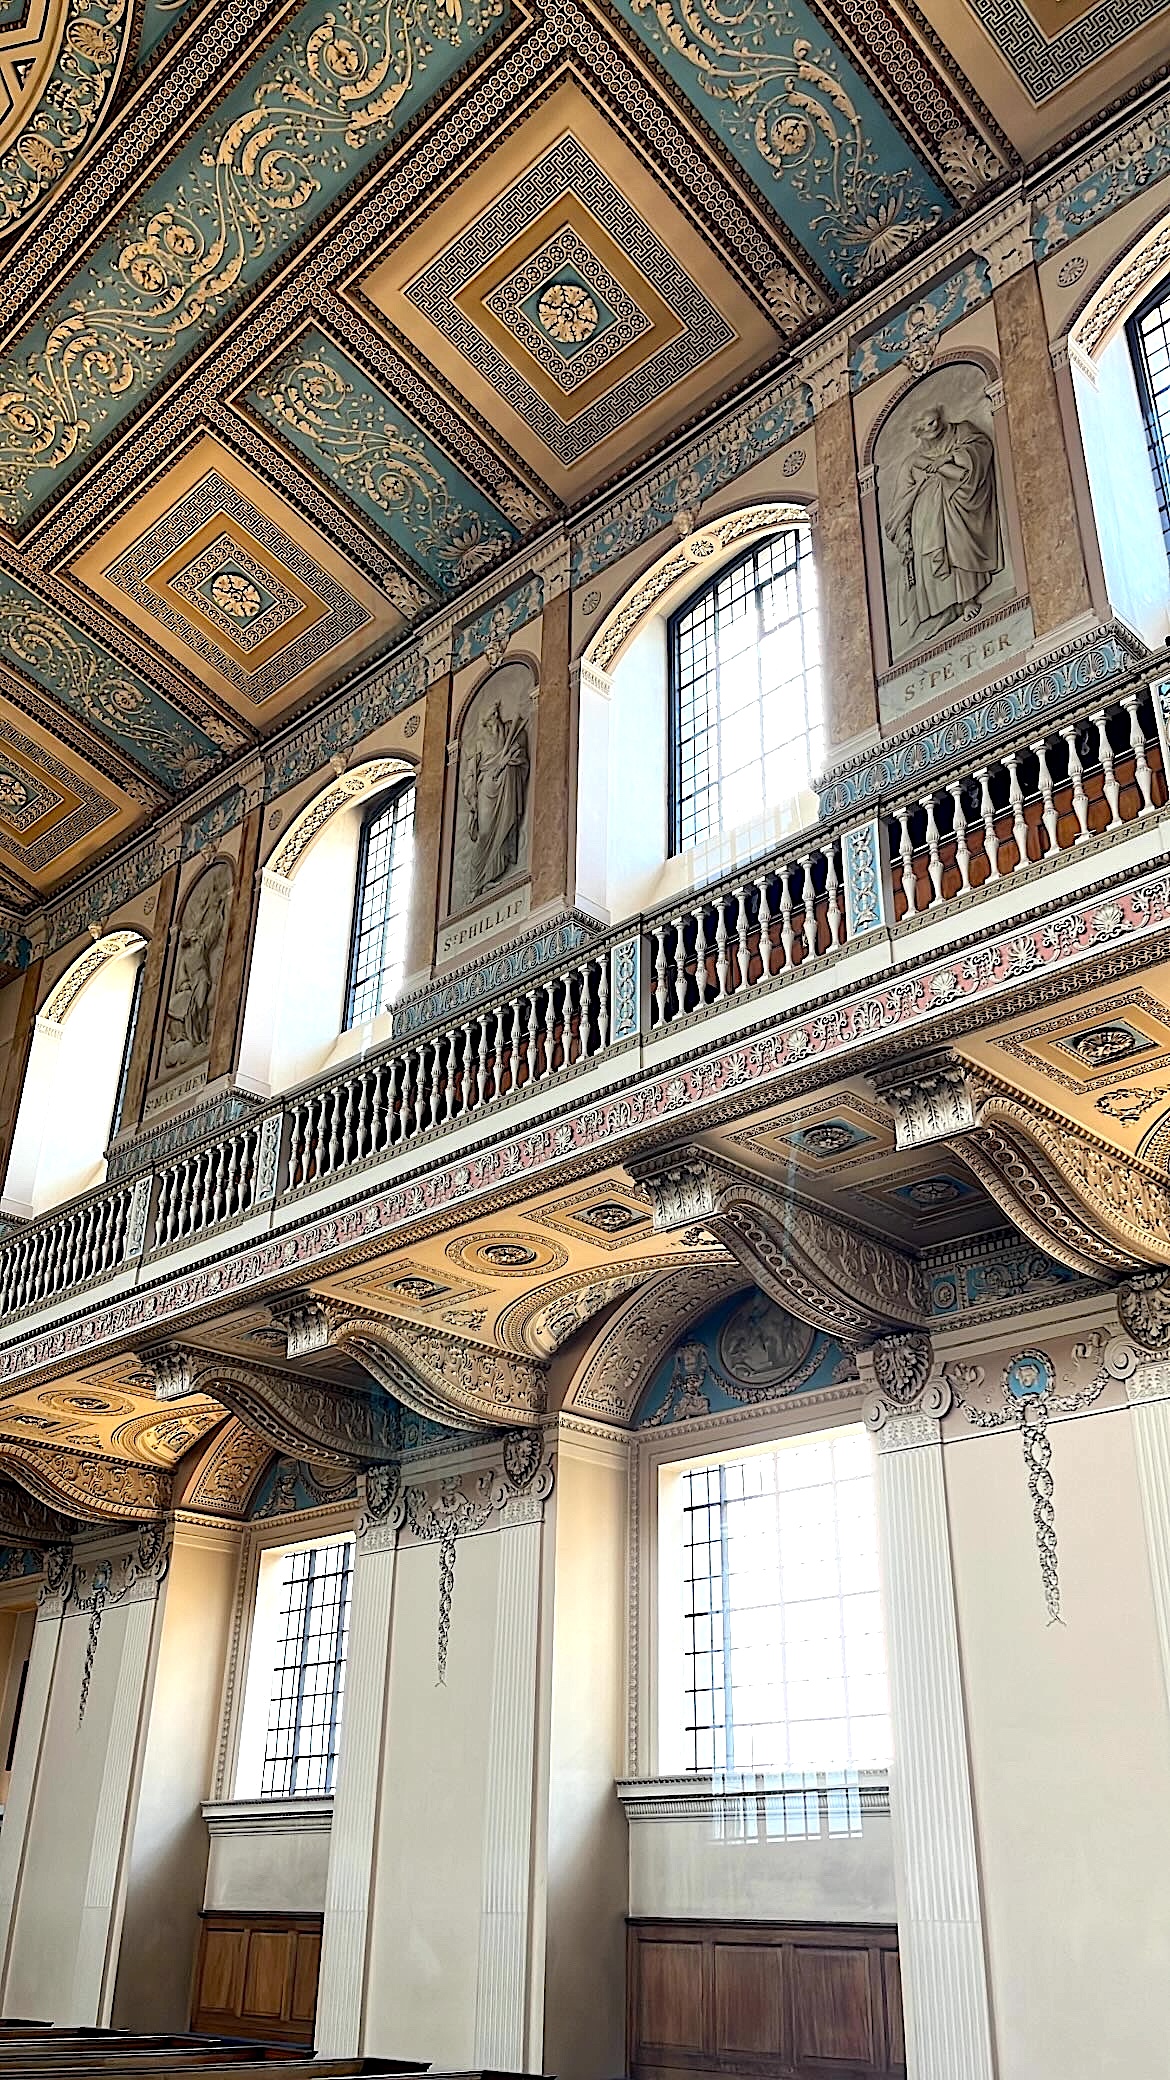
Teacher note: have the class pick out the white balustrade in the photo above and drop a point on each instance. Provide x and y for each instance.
(742, 936)
(967, 833)
(1057, 790)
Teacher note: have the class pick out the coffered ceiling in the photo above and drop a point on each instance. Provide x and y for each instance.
(310, 315)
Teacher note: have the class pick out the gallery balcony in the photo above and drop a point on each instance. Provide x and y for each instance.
(928, 855)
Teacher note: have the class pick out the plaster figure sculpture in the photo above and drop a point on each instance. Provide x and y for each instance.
(495, 763)
(943, 536)
(198, 960)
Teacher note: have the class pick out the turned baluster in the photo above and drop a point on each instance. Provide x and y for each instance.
(934, 879)
(986, 810)
(1016, 805)
(601, 1016)
(721, 977)
(1143, 777)
(834, 900)
(1076, 774)
(959, 829)
(1047, 803)
(1108, 764)
(808, 908)
(906, 856)
(786, 937)
(232, 1176)
(660, 974)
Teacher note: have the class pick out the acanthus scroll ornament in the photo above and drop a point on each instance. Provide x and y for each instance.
(1143, 1306)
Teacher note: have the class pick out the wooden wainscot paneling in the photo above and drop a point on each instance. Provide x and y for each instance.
(256, 1976)
(768, 2000)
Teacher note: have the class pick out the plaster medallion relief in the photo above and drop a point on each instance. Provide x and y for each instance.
(760, 1344)
(506, 1253)
(186, 1039)
(945, 554)
(491, 835)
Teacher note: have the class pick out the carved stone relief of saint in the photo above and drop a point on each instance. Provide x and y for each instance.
(944, 546)
(195, 976)
(492, 803)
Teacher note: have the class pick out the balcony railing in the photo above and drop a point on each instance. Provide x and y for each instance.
(1095, 774)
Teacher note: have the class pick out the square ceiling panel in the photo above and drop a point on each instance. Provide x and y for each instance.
(54, 807)
(236, 586)
(575, 307)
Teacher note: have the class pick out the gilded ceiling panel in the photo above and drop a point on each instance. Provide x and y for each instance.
(213, 566)
(41, 647)
(805, 123)
(560, 292)
(53, 807)
(1049, 43)
(310, 115)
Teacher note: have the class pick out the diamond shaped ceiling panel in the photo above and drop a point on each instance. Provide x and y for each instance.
(54, 806)
(212, 565)
(541, 293)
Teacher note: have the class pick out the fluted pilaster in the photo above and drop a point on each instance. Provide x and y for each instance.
(940, 1928)
(501, 2007)
(356, 1799)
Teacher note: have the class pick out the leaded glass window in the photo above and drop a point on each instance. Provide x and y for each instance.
(308, 1674)
(745, 690)
(381, 905)
(1149, 341)
(783, 1642)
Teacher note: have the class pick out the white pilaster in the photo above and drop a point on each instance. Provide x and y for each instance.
(26, 1771)
(940, 1927)
(1148, 1392)
(501, 2006)
(356, 1800)
(97, 1942)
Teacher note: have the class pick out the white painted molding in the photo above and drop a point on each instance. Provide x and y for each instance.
(25, 1779)
(99, 1936)
(940, 1924)
(703, 1798)
(1151, 1439)
(260, 1817)
(357, 1799)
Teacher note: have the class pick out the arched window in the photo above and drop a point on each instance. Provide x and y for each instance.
(1149, 345)
(381, 899)
(75, 1081)
(745, 690)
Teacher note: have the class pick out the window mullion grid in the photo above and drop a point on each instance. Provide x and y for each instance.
(296, 1751)
(729, 1757)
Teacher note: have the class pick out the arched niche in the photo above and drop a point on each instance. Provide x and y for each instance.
(623, 858)
(73, 1076)
(944, 562)
(1107, 403)
(297, 976)
(491, 818)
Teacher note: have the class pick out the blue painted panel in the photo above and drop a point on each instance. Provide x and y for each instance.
(802, 121)
(324, 100)
(98, 690)
(338, 419)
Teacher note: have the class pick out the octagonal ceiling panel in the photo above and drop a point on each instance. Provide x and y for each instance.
(569, 301)
(211, 565)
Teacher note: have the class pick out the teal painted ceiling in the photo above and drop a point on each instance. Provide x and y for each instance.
(266, 160)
